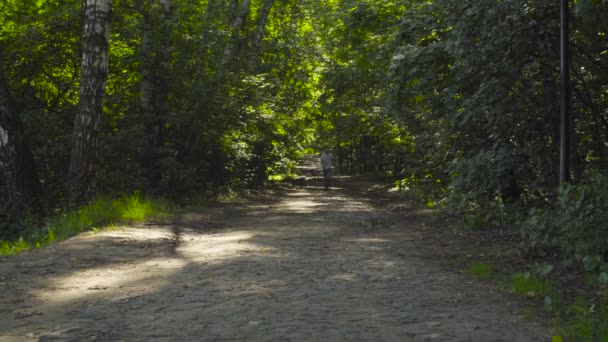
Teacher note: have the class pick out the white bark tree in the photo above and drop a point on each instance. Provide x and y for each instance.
(237, 27)
(94, 75)
(259, 34)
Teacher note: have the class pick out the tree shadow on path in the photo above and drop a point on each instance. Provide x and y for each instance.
(305, 265)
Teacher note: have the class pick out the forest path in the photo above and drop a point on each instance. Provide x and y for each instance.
(300, 265)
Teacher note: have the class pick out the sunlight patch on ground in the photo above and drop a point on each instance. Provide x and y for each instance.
(299, 194)
(301, 206)
(147, 276)
(151, 233)
(377, 186)
(344, 276)
(381, 264)
(368, 240)
(221, 247)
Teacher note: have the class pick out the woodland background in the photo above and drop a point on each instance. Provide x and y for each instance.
(457, 102)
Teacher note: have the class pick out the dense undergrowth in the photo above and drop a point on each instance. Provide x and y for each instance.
(560, 241)
(571, 228)
(580, 315)
(102, 212)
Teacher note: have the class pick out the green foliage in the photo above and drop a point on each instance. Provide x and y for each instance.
(534, 284)
(479, 214)
(528, 284)
(102, 212)
(426, 191)
(481, 269)
(13, 247)
(574, 229)
(587, 323)
(585, 320)
(219, 129)
(393, 87)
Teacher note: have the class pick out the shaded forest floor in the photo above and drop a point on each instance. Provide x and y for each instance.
(296, 263)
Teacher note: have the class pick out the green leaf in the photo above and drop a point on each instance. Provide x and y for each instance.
(583, 7)
(548, 302)
(592, 262)
(603, 278)
(545, 269)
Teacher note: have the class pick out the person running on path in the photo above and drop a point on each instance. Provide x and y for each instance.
(326, 165)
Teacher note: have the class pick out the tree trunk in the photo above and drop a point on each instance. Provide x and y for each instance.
(229, 51)
(94, 75)
(551, 115)
(237, 27)
(154, 90)
(232, 11)
(18, 177)
(201, 72)
(259, 34)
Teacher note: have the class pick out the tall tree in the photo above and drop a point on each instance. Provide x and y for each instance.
(156, 47)
(210, 11)
(17, 170)
(259, 34)
(95, 65)
(237, 28)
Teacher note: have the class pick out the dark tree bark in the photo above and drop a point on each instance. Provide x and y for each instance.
(18, 177)
(201, 72)
(95, 63)
(154, 89)
(551, 113)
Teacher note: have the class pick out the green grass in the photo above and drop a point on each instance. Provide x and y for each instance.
(587, 322)
(481, 269)
(100, 213)
(583, 321)
(529, 285)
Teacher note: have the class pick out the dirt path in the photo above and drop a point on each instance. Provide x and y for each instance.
(305, 265)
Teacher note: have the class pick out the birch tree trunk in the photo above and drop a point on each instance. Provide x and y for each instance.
(94, 75)
(237, 27)
(259, 35)
(154, 89)
(18, 177)
(232, 11)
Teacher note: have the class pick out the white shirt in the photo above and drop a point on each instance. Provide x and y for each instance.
(326, 160)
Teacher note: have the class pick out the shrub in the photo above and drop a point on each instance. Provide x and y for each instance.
(575, 228)
(102, 212)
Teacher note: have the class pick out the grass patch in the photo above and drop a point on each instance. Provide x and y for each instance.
(100, 213)
(587, 323)
(528, 285)
(481, 269)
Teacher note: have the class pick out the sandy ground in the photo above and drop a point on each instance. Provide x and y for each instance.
(300, 265)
